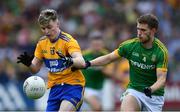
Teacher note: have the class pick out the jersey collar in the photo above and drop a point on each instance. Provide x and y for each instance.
(54, 40)
(153, 45)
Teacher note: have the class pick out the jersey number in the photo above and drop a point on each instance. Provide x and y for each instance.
(144, 59)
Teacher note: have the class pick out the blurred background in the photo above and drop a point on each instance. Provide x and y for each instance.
(113, 20)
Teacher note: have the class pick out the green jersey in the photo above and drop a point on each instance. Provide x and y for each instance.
(94, 76)
(144, 62)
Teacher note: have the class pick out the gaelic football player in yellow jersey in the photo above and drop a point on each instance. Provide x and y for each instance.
(59, 51)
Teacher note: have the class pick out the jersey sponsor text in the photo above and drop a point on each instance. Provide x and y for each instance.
(142, 65)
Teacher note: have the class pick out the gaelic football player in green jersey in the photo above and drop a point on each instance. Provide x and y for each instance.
(148, 59)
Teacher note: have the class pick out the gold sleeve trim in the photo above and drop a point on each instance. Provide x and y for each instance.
(162, 69)
(116, 52)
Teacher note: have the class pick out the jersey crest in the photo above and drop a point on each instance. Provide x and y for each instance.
(52, 50)
(144, 59)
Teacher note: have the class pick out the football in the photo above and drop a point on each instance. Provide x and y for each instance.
(34, 87)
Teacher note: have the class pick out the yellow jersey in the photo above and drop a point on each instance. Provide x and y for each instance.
(123, 72)
(58, 73)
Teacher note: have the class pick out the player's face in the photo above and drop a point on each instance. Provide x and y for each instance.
(143, 32)
(51, 30)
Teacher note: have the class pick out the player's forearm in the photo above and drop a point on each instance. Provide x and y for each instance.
(34, 69)
(78, 62)
(102, 60)
(158, 84)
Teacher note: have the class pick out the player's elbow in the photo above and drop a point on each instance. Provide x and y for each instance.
(164, 81)
(113, 56)
(82, 64)
(34, 69)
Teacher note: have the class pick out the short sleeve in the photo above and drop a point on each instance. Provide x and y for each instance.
(162, 61)
(123, 50)
(73, 46)
(38, 51)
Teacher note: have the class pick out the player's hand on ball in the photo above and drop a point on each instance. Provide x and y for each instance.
(25, 59)
(148, 91)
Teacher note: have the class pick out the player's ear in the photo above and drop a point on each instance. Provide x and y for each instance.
(154, 30)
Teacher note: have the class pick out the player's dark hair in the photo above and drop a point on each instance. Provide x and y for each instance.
(47, 15)
(149, 19)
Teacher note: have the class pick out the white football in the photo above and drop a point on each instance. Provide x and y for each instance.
(34, 87)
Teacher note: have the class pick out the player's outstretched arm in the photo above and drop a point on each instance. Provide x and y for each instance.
(103, 60)
(100, 61)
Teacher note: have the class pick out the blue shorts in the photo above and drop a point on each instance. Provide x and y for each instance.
(71, 93)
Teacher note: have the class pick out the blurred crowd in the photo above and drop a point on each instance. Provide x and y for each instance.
(113, 20)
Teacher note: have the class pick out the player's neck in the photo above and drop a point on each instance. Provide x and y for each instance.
(149, 44)
(54, 38)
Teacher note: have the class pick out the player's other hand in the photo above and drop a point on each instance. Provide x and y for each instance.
(25, 59)
(67, 60)
(148, 92)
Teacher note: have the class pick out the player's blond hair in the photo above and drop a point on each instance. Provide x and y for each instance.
(47, 15)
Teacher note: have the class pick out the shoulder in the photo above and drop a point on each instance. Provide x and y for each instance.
(42, 39)
(162, 48)
(66, 37)
(129, 42)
